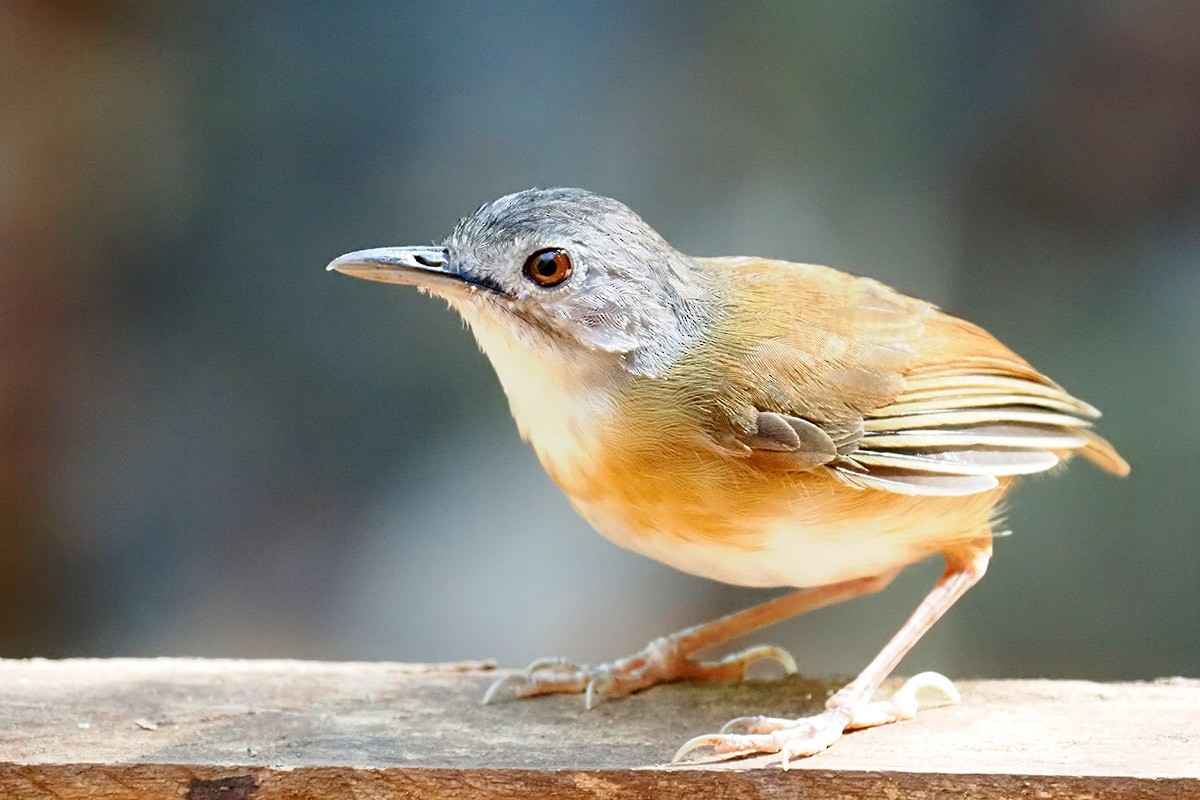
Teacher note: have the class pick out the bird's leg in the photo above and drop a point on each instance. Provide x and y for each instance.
(670, 657)
(852, 706)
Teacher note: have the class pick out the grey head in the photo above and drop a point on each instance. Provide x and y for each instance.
(566, 266)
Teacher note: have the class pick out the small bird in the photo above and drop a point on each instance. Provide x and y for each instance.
(757, 422)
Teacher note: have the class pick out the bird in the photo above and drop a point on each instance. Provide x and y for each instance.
(759, 422)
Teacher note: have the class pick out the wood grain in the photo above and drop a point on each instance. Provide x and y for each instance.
(236, 730)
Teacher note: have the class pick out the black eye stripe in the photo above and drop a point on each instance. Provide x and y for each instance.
(484, 282)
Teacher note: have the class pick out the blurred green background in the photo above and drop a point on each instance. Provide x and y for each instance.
(209, 446)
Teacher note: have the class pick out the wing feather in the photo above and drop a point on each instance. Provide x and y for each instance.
(962, 417)
(998, 435)
(964, 461)
(888, 392)
(902, 482)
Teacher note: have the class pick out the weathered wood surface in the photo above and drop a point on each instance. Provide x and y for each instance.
(236, 730)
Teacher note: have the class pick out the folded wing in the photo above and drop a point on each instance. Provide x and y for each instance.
(891, 394)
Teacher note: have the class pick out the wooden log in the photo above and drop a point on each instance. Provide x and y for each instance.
(270, 730)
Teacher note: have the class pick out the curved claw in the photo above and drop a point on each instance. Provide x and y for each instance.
(597, 688)
(553, 664)
(695, 743)
(764, 652)
(504, 684)
(737, 725)
(926, 680)
(756, 724)
(731, 746)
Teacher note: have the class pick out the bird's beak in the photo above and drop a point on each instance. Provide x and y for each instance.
(418, 266)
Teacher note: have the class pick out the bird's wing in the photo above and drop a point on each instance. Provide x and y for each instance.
(886, 391)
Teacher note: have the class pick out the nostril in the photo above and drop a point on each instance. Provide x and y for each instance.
(426, 261)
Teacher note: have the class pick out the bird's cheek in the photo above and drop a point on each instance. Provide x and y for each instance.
(607, 333)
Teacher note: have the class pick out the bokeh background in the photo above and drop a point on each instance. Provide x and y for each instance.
(210, 446)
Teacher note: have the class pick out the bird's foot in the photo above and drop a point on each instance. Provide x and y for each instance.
(661, 661)
(798, 738)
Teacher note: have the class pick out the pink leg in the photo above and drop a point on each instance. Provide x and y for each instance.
(669, 658)
(852, 707)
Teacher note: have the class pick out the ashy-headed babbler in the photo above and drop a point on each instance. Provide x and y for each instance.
(758, 422)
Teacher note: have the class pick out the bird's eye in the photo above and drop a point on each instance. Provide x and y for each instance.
(548, 267)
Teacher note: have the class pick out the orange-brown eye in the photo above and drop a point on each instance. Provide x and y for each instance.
(548, 267)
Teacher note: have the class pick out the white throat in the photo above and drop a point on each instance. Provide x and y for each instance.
(560, 400)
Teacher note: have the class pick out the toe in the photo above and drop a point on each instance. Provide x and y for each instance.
(729, 745)
(790, 738)
(817, 736)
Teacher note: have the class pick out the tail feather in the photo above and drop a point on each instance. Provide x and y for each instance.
(1103, 455)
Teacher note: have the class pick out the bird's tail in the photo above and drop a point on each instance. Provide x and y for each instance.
(1104, 455)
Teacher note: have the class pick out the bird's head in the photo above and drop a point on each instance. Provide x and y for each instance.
(559, 268)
